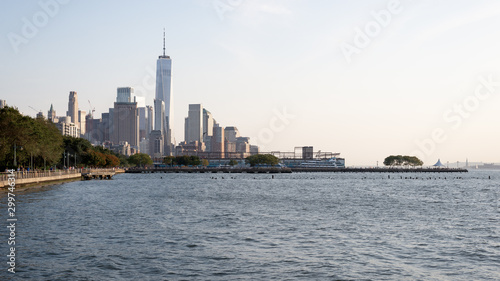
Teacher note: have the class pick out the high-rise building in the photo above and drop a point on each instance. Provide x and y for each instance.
(126, 123)
(231, 134)
(51, 114)
(110, 127)
(81, 121)
(73, 108)
(164, 119)
(125, 94)
(208, 123)
(156, 144)
(67, 128)
(150, 123)
(105, 127)
(254, 149)
(3, 103)
(144, 146)
(218, 141)
(93, 130)
(159, 111)
(194, 124)
(243, 144)
(143, 122)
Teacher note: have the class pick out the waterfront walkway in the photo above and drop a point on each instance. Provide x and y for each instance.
(39, 177)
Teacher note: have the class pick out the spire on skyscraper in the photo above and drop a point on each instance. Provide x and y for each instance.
(164, 56)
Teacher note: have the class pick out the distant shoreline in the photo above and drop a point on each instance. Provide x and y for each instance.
(276, 170)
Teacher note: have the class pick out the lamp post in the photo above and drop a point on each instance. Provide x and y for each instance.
(15, 160)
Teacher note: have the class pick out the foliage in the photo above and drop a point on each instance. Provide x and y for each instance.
(188, 160)
(112, 161)
(123, 160)
(169, 160)
(182, 160)
(94, 158)
(233, 162)
(400, 160)
(262, 159)
(33, 138)
(204, 162)
(140, 159)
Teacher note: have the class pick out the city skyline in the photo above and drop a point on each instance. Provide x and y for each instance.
(367, 80)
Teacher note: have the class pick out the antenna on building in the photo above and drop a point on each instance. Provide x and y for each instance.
(92, 110)
(163, 41)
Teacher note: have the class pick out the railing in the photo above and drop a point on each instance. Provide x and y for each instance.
(40, 174)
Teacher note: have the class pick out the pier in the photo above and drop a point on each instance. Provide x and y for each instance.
(105, 174)
(380, 170)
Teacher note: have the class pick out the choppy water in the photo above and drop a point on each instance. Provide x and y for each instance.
(313, 226)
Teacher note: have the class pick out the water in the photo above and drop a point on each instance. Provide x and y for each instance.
(311, 226)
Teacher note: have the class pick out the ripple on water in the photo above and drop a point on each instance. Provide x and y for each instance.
(298, 226)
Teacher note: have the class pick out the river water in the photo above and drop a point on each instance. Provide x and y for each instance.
(302, 226)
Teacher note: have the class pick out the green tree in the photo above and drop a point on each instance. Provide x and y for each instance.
(400, 160)
(233, 162)
(35, 139)
(262, 159)
(204, 162)
(140, 159)
(194, 161)
(169, 160)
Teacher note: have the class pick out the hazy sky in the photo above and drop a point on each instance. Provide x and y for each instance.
(364, 78)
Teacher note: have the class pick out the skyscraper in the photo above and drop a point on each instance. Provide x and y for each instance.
(194, 124)
(125, 94)
(150, 127)
(81, 121)
(143, 122)
(125, 123)
(164, 94)
(218, 141)
(208, 123)
(51, 114)
(231, 133)
(73, 108)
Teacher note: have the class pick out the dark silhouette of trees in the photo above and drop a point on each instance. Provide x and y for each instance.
(400, 160)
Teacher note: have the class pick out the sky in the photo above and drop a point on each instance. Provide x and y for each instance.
(366, 79)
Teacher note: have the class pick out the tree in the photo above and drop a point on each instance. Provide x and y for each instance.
(194, 161)
(112, 160)
(140, 159)
(169, 160)
(400, 160)
(94, 158)
(233, 162)
(204, 162)
(31, 138)
(262, 159)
